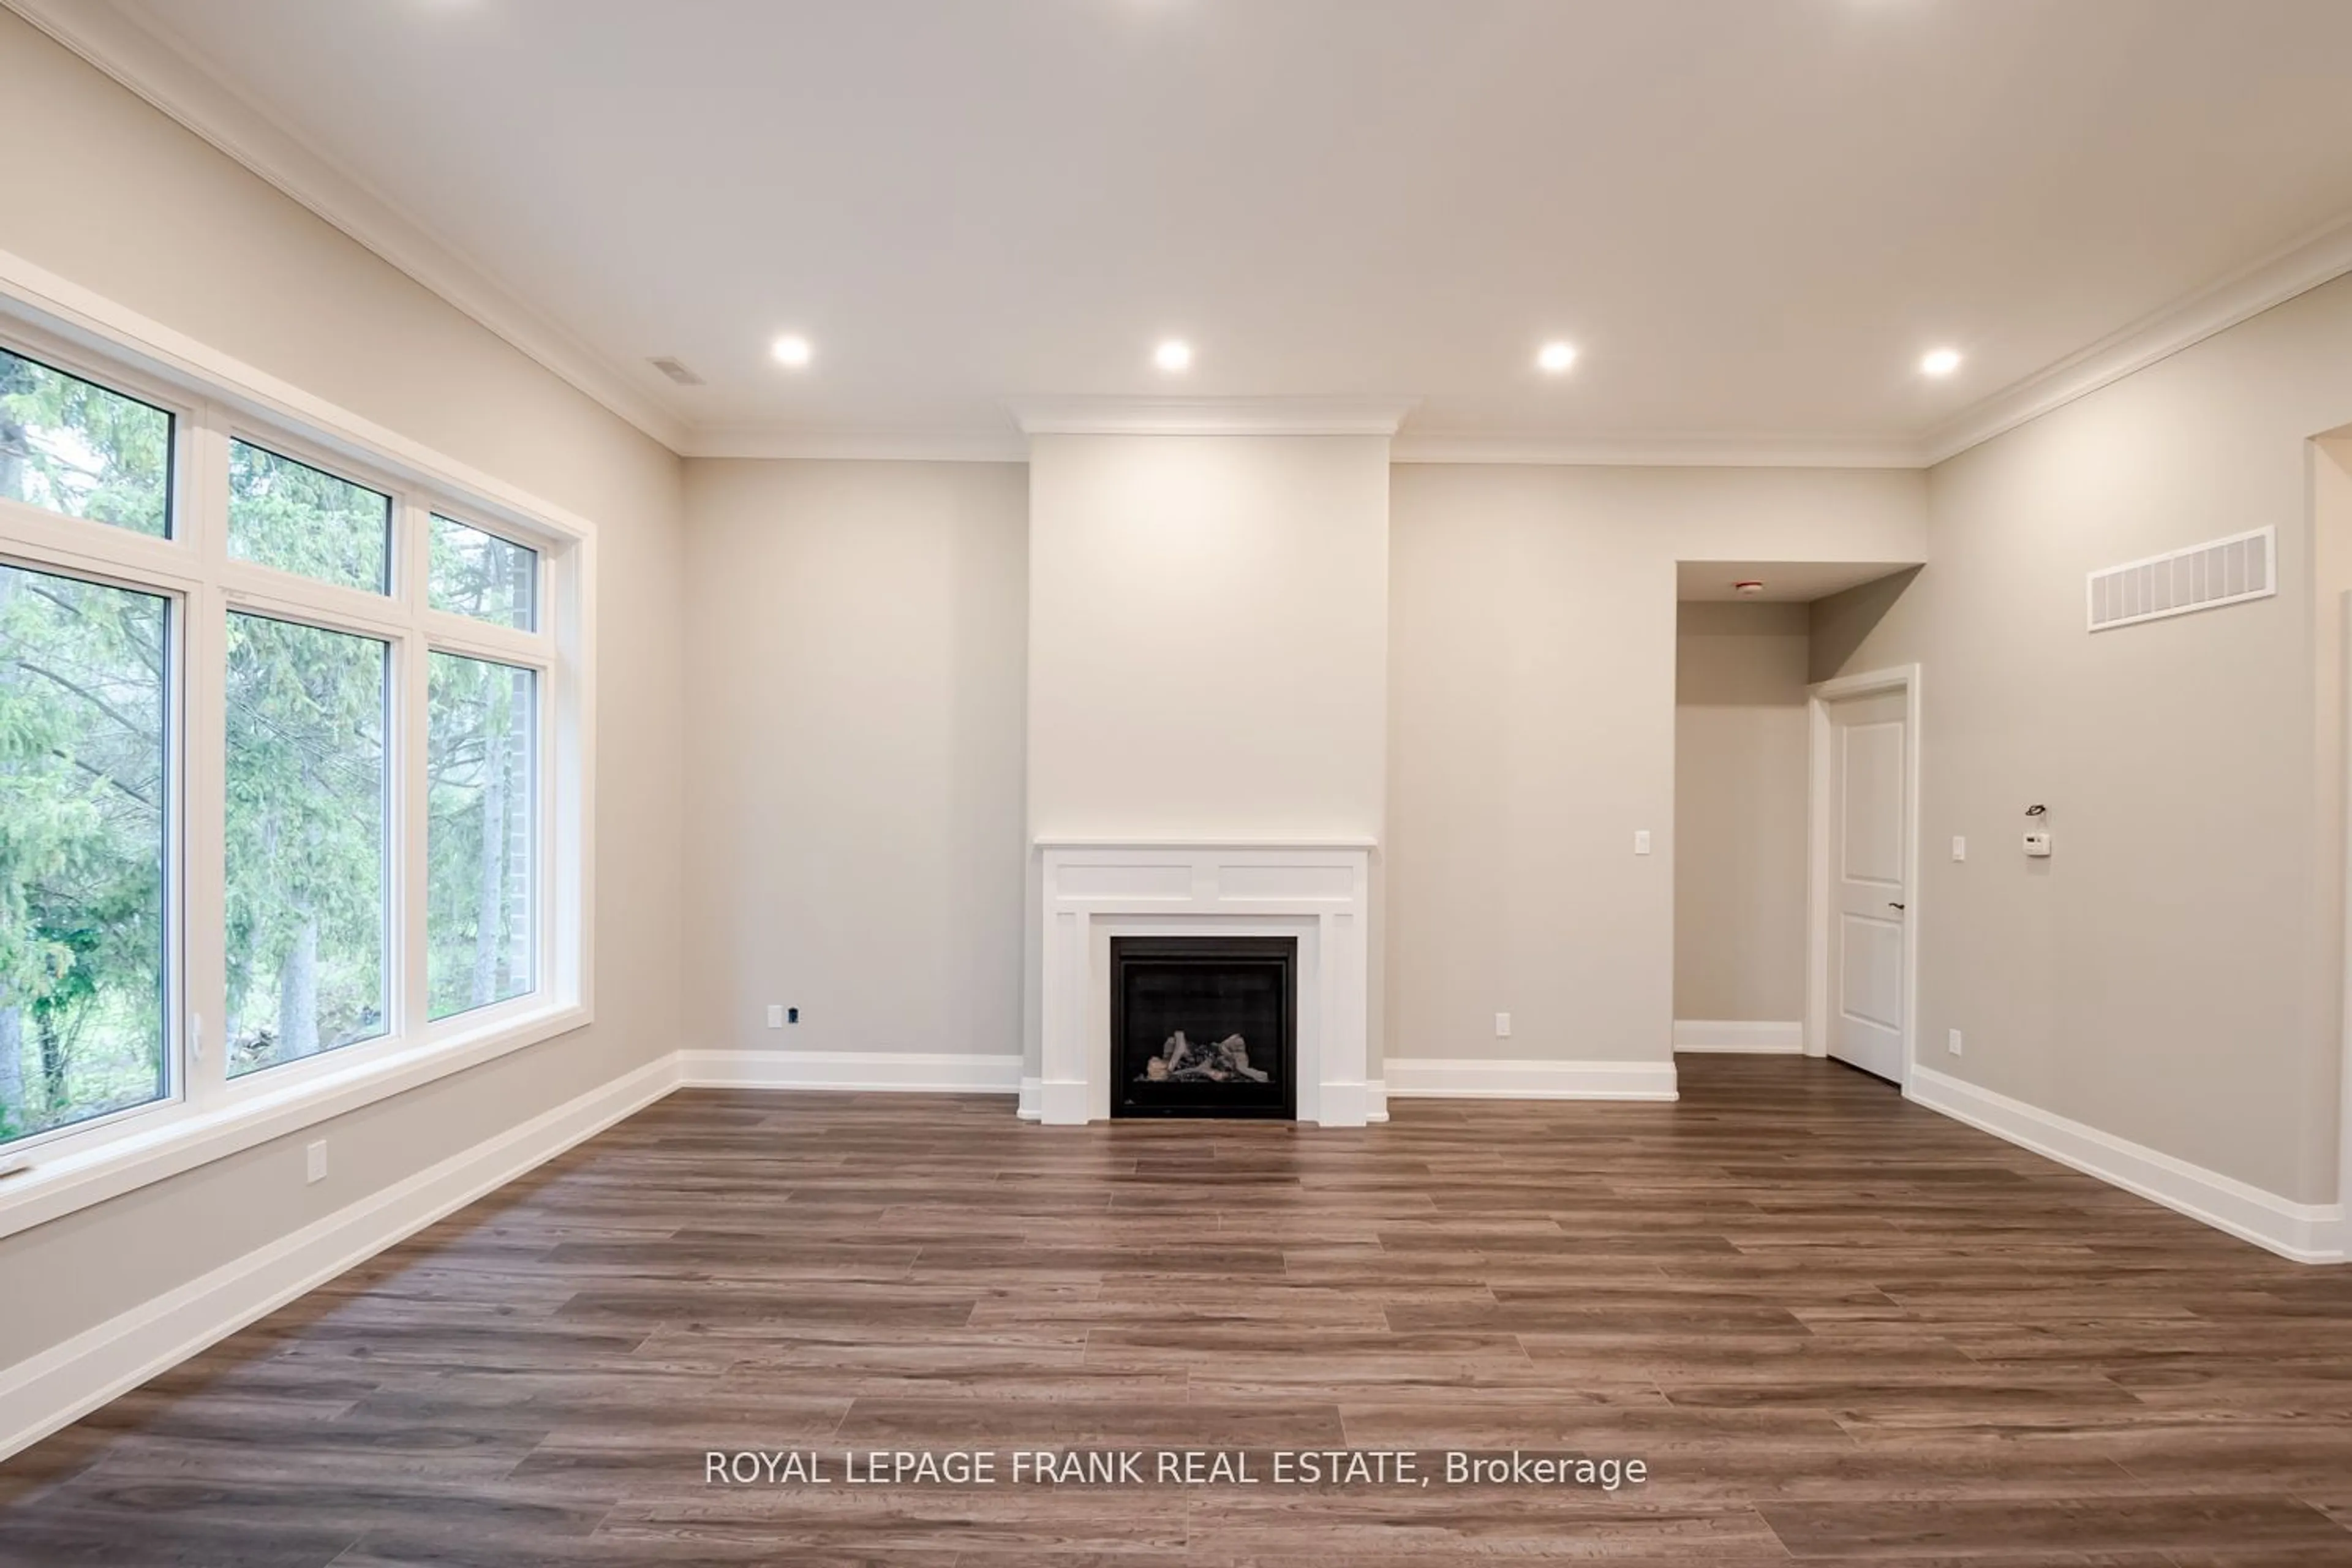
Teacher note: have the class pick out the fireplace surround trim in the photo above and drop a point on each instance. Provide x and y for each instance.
(1318, 892)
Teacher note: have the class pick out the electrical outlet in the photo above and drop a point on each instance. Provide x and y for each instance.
(1959, 848)
(1502, 1025)
(1952, 1042)
(775, 1015)
(316, 1155)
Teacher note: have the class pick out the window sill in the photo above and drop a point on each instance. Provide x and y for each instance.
(177, 1139)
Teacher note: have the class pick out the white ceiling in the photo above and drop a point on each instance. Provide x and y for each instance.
(1785, 582)
(1752, 216)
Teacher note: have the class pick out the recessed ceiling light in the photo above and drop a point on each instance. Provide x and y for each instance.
(794, 350)
(1554, 358)
(1940, 362)
(1173, 355)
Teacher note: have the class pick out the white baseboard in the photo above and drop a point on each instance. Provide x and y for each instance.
(2307, 1233)
(1438, 1078)
(1739, 1035)
(68, 1381)
(1033, 1098)
(1376, 1099)
(920, 1072)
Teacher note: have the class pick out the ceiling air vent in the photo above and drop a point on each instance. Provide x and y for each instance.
(675, 369)
(2202, 577)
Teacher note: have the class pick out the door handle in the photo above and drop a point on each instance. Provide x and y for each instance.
(1892, 905)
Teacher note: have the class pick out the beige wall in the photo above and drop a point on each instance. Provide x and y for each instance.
(1532, 733)
(1208, 650)
(2172, 975)
(123, 201)
(1740, 812)
(2332, 583)
(1208, 637)
(854, 671)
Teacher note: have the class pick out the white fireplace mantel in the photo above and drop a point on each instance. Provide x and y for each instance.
(1318, 892)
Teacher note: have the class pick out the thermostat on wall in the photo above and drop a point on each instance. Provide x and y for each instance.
(2037, 844)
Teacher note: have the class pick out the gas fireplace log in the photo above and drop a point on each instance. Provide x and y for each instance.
(1180, 1061)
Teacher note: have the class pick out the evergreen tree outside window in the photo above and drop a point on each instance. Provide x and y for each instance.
(300, 519)
(307, 825)
(480, 574)
(70, 446)
(368, 830)
(481, 761)
(84, 814)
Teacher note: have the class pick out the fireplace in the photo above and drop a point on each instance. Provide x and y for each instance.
(1316, 897)
(1204, 1026)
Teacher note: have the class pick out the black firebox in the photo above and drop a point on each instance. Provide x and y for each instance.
(1204, 1026)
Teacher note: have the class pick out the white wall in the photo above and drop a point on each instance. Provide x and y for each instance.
(2172, 975)
(1208, 636)
(854, 671)
(1740, 812)
(1532, 733)
(125, 202)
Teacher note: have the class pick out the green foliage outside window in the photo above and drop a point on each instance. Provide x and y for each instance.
(291, 516)
(86, 805)
(479, 757)
(306, 822)
(480, 574)
(68, 446)
(82, 812)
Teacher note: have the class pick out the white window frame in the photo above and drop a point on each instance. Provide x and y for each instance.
(206, 1115)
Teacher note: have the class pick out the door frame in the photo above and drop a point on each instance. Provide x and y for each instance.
(1902, 677)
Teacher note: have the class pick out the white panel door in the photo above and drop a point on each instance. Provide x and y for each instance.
(1870, 857)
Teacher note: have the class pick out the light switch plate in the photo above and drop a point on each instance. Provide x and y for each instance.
(775, 1015)
(315, 1162)
(1502, 1025)
(1641, 841)
(1953, 1043)
(1959, 848)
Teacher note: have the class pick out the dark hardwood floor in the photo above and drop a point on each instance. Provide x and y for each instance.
(1834, 1327)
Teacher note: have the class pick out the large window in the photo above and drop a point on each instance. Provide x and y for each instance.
(84, 816)
(289, 759)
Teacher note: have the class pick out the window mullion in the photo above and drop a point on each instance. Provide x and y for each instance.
(478, 639)
(204, 740)
(410, 807)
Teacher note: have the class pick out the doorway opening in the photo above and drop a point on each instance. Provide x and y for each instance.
(1762, 651)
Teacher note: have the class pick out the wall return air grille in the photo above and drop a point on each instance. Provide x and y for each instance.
(2225, 572)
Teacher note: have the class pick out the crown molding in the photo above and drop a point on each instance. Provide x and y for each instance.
(1210, 415)
(1661, 451)
(2304, 264)
(167, 77)
(784, 443)
(166, 74)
